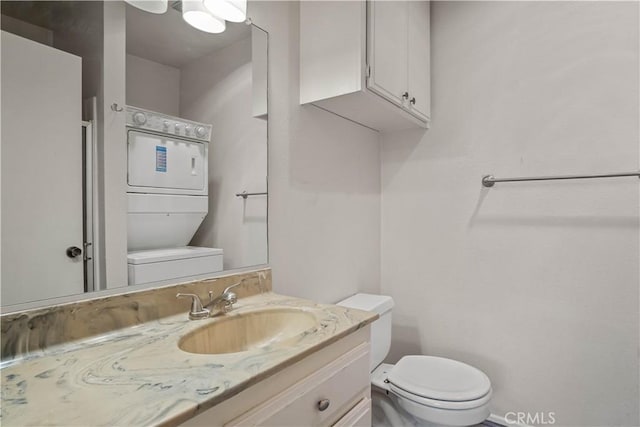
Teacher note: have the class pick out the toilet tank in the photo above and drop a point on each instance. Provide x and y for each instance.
(381, 328)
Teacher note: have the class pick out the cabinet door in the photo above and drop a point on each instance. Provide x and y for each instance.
(418, 59)
(387, 49)
(358, 416)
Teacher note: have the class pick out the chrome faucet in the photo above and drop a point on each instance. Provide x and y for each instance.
(225, 301)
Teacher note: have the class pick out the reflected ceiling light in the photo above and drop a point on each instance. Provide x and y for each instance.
(194, 13)
(153, 6)
(230, 10)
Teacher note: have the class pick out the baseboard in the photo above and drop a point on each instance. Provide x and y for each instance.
(501, 421)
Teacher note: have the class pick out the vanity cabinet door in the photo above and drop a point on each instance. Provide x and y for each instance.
(359, 416)
(322, 398)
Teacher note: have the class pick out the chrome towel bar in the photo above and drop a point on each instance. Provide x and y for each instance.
(244, 194)
(490, 180)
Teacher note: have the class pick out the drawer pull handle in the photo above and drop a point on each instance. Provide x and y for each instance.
(323, 404)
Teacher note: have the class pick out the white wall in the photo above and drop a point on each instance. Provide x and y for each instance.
(112, 149)
(153, 86)
(324, 181)
(217, 89)
(534, 283)
(85, 39)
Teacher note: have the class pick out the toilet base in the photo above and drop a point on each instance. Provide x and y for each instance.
(388, 412)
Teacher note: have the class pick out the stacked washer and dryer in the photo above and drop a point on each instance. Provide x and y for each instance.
(167, 192)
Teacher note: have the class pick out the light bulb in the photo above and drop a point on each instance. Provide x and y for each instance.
(153, 6)
(230, 10)
(194, 13)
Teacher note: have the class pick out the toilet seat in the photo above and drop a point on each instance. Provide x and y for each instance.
(441, 404)
(439, 379)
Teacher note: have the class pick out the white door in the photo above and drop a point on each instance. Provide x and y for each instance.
(41, 171)
(387, 49)
(419, 58)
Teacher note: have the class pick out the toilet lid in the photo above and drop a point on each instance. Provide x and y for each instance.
(439, 378)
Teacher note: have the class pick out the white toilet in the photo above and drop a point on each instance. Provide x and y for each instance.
(420, 390)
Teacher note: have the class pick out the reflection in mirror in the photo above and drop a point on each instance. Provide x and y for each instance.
(194, 121)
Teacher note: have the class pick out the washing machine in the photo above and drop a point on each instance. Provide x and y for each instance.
(167, 197)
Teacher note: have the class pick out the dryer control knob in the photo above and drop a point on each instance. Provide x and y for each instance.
(139, 118)
(201, 132)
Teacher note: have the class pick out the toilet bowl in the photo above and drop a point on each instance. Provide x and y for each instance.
(420, 390)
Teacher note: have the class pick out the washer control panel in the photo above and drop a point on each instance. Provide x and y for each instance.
(158, 122)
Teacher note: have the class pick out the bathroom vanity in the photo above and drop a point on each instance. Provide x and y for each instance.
(137, 359)
(329, 387)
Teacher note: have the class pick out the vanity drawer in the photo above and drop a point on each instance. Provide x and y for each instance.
(320, 399)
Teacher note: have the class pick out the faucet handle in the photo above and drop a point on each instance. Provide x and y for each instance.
(211, 297)
(231, 299)
(197, 310)
(228, 288)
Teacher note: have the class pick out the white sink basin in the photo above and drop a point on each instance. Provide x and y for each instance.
(249, 331)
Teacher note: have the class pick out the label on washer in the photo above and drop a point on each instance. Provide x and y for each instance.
(161, 158)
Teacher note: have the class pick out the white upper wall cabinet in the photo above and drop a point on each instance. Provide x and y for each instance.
(419, 59)
(367, 61)
(387, 49)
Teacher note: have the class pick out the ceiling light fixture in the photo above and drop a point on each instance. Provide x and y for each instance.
(152, 6)
(230, 10)
(194, 13)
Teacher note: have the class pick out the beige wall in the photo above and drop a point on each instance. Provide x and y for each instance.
(324, 181)
(153, 86)
(217, 89)
(534, 283)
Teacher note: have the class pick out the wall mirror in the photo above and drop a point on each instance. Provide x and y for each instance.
(134, 149)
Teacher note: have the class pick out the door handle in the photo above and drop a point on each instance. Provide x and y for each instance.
(73, 251)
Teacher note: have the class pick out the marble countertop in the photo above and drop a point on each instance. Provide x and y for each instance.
(139, 376)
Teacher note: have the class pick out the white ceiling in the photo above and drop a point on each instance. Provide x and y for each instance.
(169, 40)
